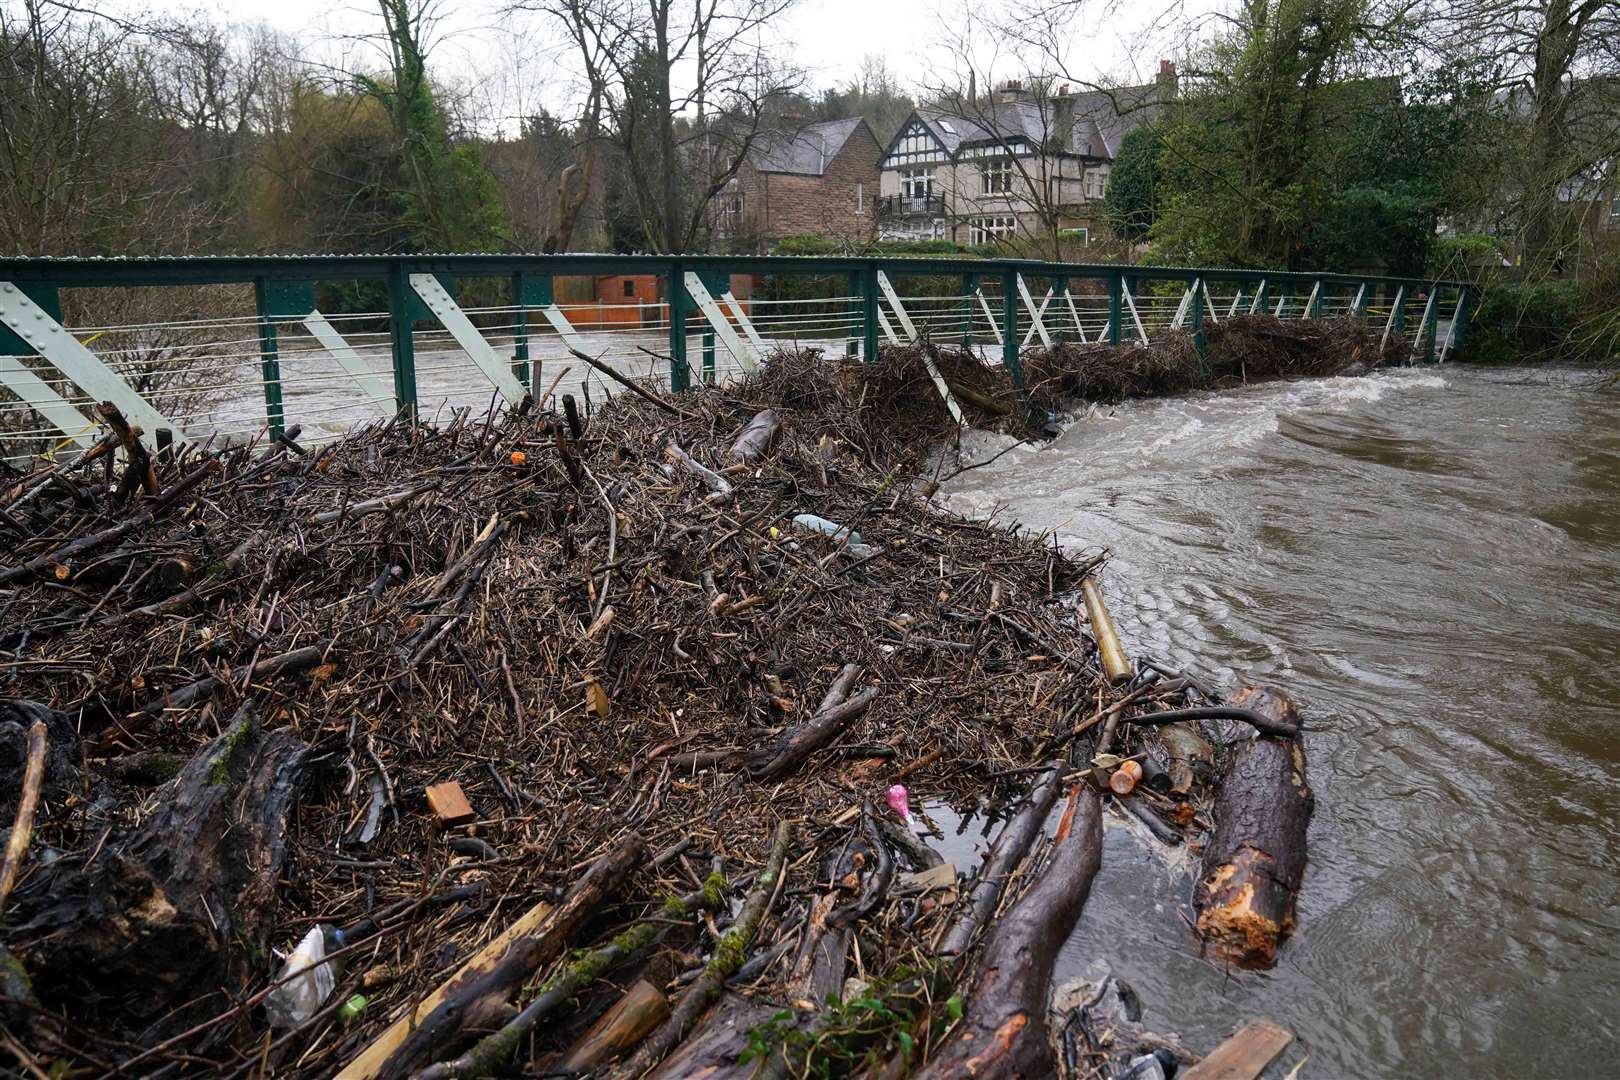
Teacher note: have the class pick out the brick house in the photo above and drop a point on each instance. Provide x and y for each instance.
(819, 179)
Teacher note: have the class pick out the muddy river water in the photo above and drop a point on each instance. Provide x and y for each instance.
(1429, 561)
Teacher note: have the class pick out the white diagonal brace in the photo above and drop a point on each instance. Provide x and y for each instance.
(722, 326)
(37, 394)
(1310, 301)
(30, 322)
(1237, 298)
(942, 386)
(1210, 300)
(886, 326)
(1079, 327)
(743, 321)
(1355, 305)
(1035, 313)
(1281, 300)
(378, 388)
(453, 319)
(1036, 323)
(899, 308)
(1181, 308)
(990, 317)
(1451, 327)
(1389, 323)
(1260, 290)
(1130, 302)
(1423, 326)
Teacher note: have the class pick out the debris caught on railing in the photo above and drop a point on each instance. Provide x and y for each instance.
(629, 701)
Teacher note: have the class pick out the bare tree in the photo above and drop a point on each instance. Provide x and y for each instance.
(684, 90)
(1558, 69)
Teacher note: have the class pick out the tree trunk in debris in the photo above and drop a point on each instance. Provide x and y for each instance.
(1255, 860)
(481, 994)
(757, 437)
(1013, 843)
(180, 904)
(711, 1052)
(1002, 1033)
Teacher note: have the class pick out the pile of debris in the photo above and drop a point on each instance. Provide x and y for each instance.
(579, 743)
(1245, 348)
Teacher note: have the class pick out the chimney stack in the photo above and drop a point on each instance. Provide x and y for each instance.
(1167, 69)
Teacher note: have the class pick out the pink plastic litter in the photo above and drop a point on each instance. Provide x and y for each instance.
(900, 803)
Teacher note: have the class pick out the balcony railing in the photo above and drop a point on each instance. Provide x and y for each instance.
(891, 206)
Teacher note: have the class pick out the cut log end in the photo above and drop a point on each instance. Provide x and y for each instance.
(1255, 861)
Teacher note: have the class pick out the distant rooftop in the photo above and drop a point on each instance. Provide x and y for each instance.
(806, 150)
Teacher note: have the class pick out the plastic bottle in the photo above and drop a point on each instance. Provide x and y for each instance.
(310, 979)
(1125, 777)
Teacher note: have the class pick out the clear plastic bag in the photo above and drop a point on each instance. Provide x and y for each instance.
(296, 1000)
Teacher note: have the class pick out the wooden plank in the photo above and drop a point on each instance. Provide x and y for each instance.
(1245, 1055)
(365, 1066)
(450, 805)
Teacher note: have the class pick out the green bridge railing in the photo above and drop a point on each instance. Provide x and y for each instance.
(228, 347)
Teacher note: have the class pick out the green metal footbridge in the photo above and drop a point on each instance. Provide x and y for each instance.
(196, 348)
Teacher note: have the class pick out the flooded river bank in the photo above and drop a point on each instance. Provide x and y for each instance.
(1428, 559)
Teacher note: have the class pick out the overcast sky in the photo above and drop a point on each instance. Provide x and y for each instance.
(829, 38)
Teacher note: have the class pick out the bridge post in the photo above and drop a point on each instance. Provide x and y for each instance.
(1431, 323)
(1195, 316)
(970, 285)
(1009, 327)
(1116, 313)
(855, 316)
(1060, 288)
(716, 283)
(269, 361)
(680, 375)
(869, 313)
(528, 290)
(402, 305)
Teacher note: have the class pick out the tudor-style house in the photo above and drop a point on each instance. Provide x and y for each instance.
(813, 179)
(1011, 165)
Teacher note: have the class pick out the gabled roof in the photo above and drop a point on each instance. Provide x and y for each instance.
(1098, 120)
(806, 151)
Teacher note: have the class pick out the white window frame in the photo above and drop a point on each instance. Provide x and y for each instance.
(996, 176)
(860, 198)
(993, 227)
(910, 178)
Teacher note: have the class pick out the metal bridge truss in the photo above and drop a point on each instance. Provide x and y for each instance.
(457, 331)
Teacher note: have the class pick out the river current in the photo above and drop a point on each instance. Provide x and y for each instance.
(1428, 560)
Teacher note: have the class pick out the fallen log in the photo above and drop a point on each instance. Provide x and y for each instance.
(837, 709)
(1005, 854)
(1255, 859)
(756, 438)
(1002, 1032)
(631, 1019)
(371, 1059)
(494, 1051)
(1283, 727)
(728, 957)
(181, 902)
(22, 829)
(481, 993)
